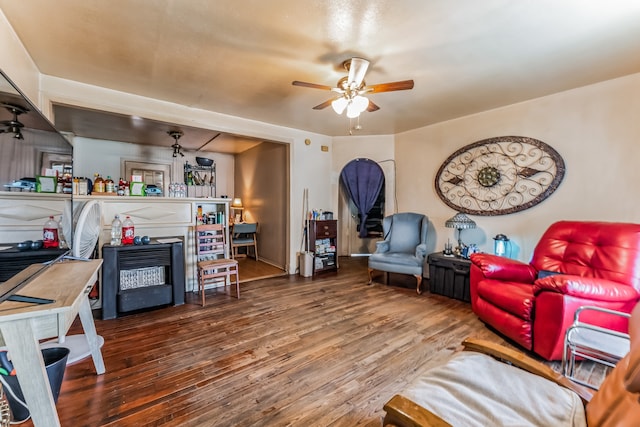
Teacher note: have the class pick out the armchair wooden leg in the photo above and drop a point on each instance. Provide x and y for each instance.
(419, 284)
(370, 277)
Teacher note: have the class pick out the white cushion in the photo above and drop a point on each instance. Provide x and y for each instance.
(473, 389)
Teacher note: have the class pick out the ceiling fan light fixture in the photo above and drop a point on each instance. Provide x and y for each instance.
(352, 111)
(361, 103)
(17, 133)
(339, 104)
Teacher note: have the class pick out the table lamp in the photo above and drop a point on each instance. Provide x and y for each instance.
(237, 206)
(461, 222)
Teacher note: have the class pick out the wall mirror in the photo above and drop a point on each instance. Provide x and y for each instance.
(30, 147)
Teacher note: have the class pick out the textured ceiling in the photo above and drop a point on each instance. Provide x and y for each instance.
(239, 57)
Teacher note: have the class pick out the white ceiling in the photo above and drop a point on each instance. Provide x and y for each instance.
(239, 57)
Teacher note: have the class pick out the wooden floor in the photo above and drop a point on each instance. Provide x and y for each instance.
(251, 270)
(292, 351)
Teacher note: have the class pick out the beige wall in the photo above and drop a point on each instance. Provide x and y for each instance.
(595, 129)
(16, 62)
(261, 180)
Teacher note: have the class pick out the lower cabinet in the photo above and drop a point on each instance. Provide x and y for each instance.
(13, 261)
(141, 276)
(449, 276)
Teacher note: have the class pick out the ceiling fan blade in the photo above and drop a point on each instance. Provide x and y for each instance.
(390, 87)
(311, 85)
(372, 107)
(357, 69)
(325, 104)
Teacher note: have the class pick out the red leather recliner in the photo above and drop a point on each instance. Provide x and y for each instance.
(574, 264)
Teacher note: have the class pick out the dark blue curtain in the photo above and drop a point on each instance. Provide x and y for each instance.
(362, 179)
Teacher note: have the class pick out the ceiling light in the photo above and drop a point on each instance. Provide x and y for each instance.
(14, 126)
(361, 103)
(177, 148)
(352, 110)
(339, 104)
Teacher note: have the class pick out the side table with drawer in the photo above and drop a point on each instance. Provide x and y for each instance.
(449, 276)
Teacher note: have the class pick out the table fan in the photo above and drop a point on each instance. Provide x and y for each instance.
(85, 238)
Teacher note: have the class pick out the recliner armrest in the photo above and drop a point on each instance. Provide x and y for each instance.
(586, 287)
(500, 268)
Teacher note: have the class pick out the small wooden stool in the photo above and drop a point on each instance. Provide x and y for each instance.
(217, 268)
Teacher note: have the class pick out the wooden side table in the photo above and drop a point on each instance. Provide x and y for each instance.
(449, 276)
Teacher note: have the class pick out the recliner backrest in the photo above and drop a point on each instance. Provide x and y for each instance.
(405, 231)
(604, 250)
(616, 402)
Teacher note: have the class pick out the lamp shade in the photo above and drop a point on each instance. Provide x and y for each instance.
(460, 221)
(361, 103)
(237, 203)
(352, 110)
(339, 104)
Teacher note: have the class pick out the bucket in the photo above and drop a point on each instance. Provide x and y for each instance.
(306, 264)
(55, 361)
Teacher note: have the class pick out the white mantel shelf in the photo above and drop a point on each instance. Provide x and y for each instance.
(22, 215)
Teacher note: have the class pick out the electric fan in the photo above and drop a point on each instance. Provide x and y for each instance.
(85, 238)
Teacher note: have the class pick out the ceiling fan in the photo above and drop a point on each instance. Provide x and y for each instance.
(350, 89)
(13, 126)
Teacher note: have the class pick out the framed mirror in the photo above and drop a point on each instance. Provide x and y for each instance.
(33, 155)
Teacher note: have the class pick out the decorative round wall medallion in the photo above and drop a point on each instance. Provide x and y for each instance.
(499, 176)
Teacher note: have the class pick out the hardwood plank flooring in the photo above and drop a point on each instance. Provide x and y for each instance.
(250, 270)
(293, 351)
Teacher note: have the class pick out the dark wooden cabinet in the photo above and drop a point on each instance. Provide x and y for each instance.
(13, 261)
(323, 242)
(141, 276)
(449, 276)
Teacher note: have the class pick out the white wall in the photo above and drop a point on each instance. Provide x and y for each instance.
(595, 129)
(106, 157)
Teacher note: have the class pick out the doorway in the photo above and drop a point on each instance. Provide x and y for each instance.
(359, 238)
(261, 181)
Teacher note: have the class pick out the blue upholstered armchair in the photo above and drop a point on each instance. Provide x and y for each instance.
(403, 248)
